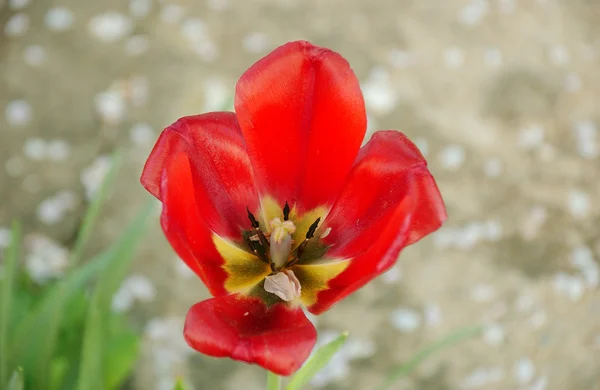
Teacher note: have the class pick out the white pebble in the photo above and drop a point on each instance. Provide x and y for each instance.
(218, 5)
(452, 157)
(256, 42)
(217, 95)
(493, 57)
(183, 270)
(52, 210)
(141, 134)
(586, 136)
(110, 105)
(34, 55)
(559, 55)
(136, 45)
(507, 6)
(523, 371)
(483, 293)
(405, 320)
(5, 237)
(17, 25)
(139, 9)
(171, 13)
(573, 82)
(58, 150)
(141, 287)
(18, 4)
(393, 275)
(14, 166)
(423, 145)
(380, 97)
(473, 12)
(538, 319)
(531, 136)
(92, 176)
(540, 384)
(570, 286)
(194, 30)
(45, 259)
(139, 90)
(582, 258)
(123, 300)
(110, 26)
(432, 314)
(536, 217)
(579, 203)
(493, 335)
(35, 149)
(18, 113)
(402, 59)
(482, 377)
(453, 58)
(493, 167)
(59, 18)
(524, 303)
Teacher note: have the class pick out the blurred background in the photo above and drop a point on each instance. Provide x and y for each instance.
(501, 96)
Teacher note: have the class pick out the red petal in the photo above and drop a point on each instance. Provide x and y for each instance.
(389, 202)
(222, 177)
(303, 117)
(189, 236)
(278, 338)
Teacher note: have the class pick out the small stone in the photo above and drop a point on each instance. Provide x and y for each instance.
(573, 82)
(35, 149)
(538, 319)
(402, 59)
(92, 176)
(59, 18)
(473, 12)
(17, 25)
(139, 9)
(52, 210)
(141, 287)
(559, 55)
(423, 145)
(393, 275)
(5, 237)
(110, 26)
(141, 134)
(111, 106)
(45, 258)
(452, 157)
(493, 335)
(531, 137)
(380, 97)
(586, 137)
(493, 57)
(483, 293)
(34, 55)
(432, 314)
(524, 371)
(18, 4)
(18, 113)
(493, 167)
(256, 42)
(58, 150)
(454, 58)
(579, 204)
(136, 45)
(14, 166)
(540, 384)
(172, 13)
(406, 320)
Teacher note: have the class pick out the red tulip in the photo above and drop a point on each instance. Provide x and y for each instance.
(277, 206)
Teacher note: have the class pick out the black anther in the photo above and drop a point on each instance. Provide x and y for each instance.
(253, 220)
(312, 229)
(286, 211)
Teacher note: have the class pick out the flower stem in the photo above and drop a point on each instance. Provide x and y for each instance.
(273, 381)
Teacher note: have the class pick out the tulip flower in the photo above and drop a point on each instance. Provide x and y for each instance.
(277, 208)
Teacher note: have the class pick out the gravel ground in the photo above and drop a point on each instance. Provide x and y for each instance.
(500, 95)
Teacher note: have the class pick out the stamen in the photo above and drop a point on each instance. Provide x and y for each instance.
(253, 220)
(281, 241)
(286, 211)
(312, 229)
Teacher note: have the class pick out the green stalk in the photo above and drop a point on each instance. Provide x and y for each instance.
(273, 381)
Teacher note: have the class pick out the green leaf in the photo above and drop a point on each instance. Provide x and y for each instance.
(8, 278)
(32, 347)
(319, 360)
(179, 385)
(121, 356)
(99, 312)
(38, 348)
(92, 212)
(450, 340)
(16, 380)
